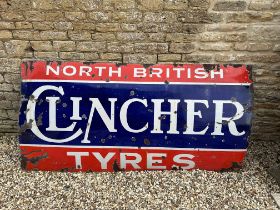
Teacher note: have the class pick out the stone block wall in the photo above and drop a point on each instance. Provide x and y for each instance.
(145, 31)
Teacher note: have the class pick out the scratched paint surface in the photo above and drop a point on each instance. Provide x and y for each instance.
(107, 117)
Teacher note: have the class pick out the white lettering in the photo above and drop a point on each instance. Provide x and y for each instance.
(180, 159)
(202, 72)
(151, 161)
(190, 116)
(160, 115)
(55, 71)
(220, 120)
(76, 108)
(109, 121)
(85, 70)
(104, 160)
(118, 71)
(73, 72)
(178, 70)
(30, 115)
(140, 72)
(123, 115)
(78, 155)
(124, 161)
(157, 72)
(220, 73)
(100, 70)
(52, 116)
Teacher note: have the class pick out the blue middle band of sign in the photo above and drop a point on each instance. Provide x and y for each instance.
(138, 115)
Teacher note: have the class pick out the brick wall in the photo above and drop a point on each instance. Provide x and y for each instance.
(145, 31)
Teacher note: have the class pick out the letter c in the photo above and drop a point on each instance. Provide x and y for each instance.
(30, 115)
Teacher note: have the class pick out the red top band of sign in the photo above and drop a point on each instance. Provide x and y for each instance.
(134, 73)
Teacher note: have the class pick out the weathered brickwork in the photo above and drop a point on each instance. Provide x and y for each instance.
(145, 31)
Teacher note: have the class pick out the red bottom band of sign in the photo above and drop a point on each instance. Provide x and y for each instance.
(72, 158)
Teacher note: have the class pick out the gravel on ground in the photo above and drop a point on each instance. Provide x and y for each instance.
(249, 188)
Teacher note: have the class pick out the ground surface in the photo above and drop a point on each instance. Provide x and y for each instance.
(249, 188)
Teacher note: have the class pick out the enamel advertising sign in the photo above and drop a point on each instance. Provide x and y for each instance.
(83, 116)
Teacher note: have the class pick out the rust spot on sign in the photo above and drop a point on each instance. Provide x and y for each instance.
(33, 160)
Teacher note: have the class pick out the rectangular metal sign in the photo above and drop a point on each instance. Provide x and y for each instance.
(83, 116)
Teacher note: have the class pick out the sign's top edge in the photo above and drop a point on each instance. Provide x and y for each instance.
(144, 64)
